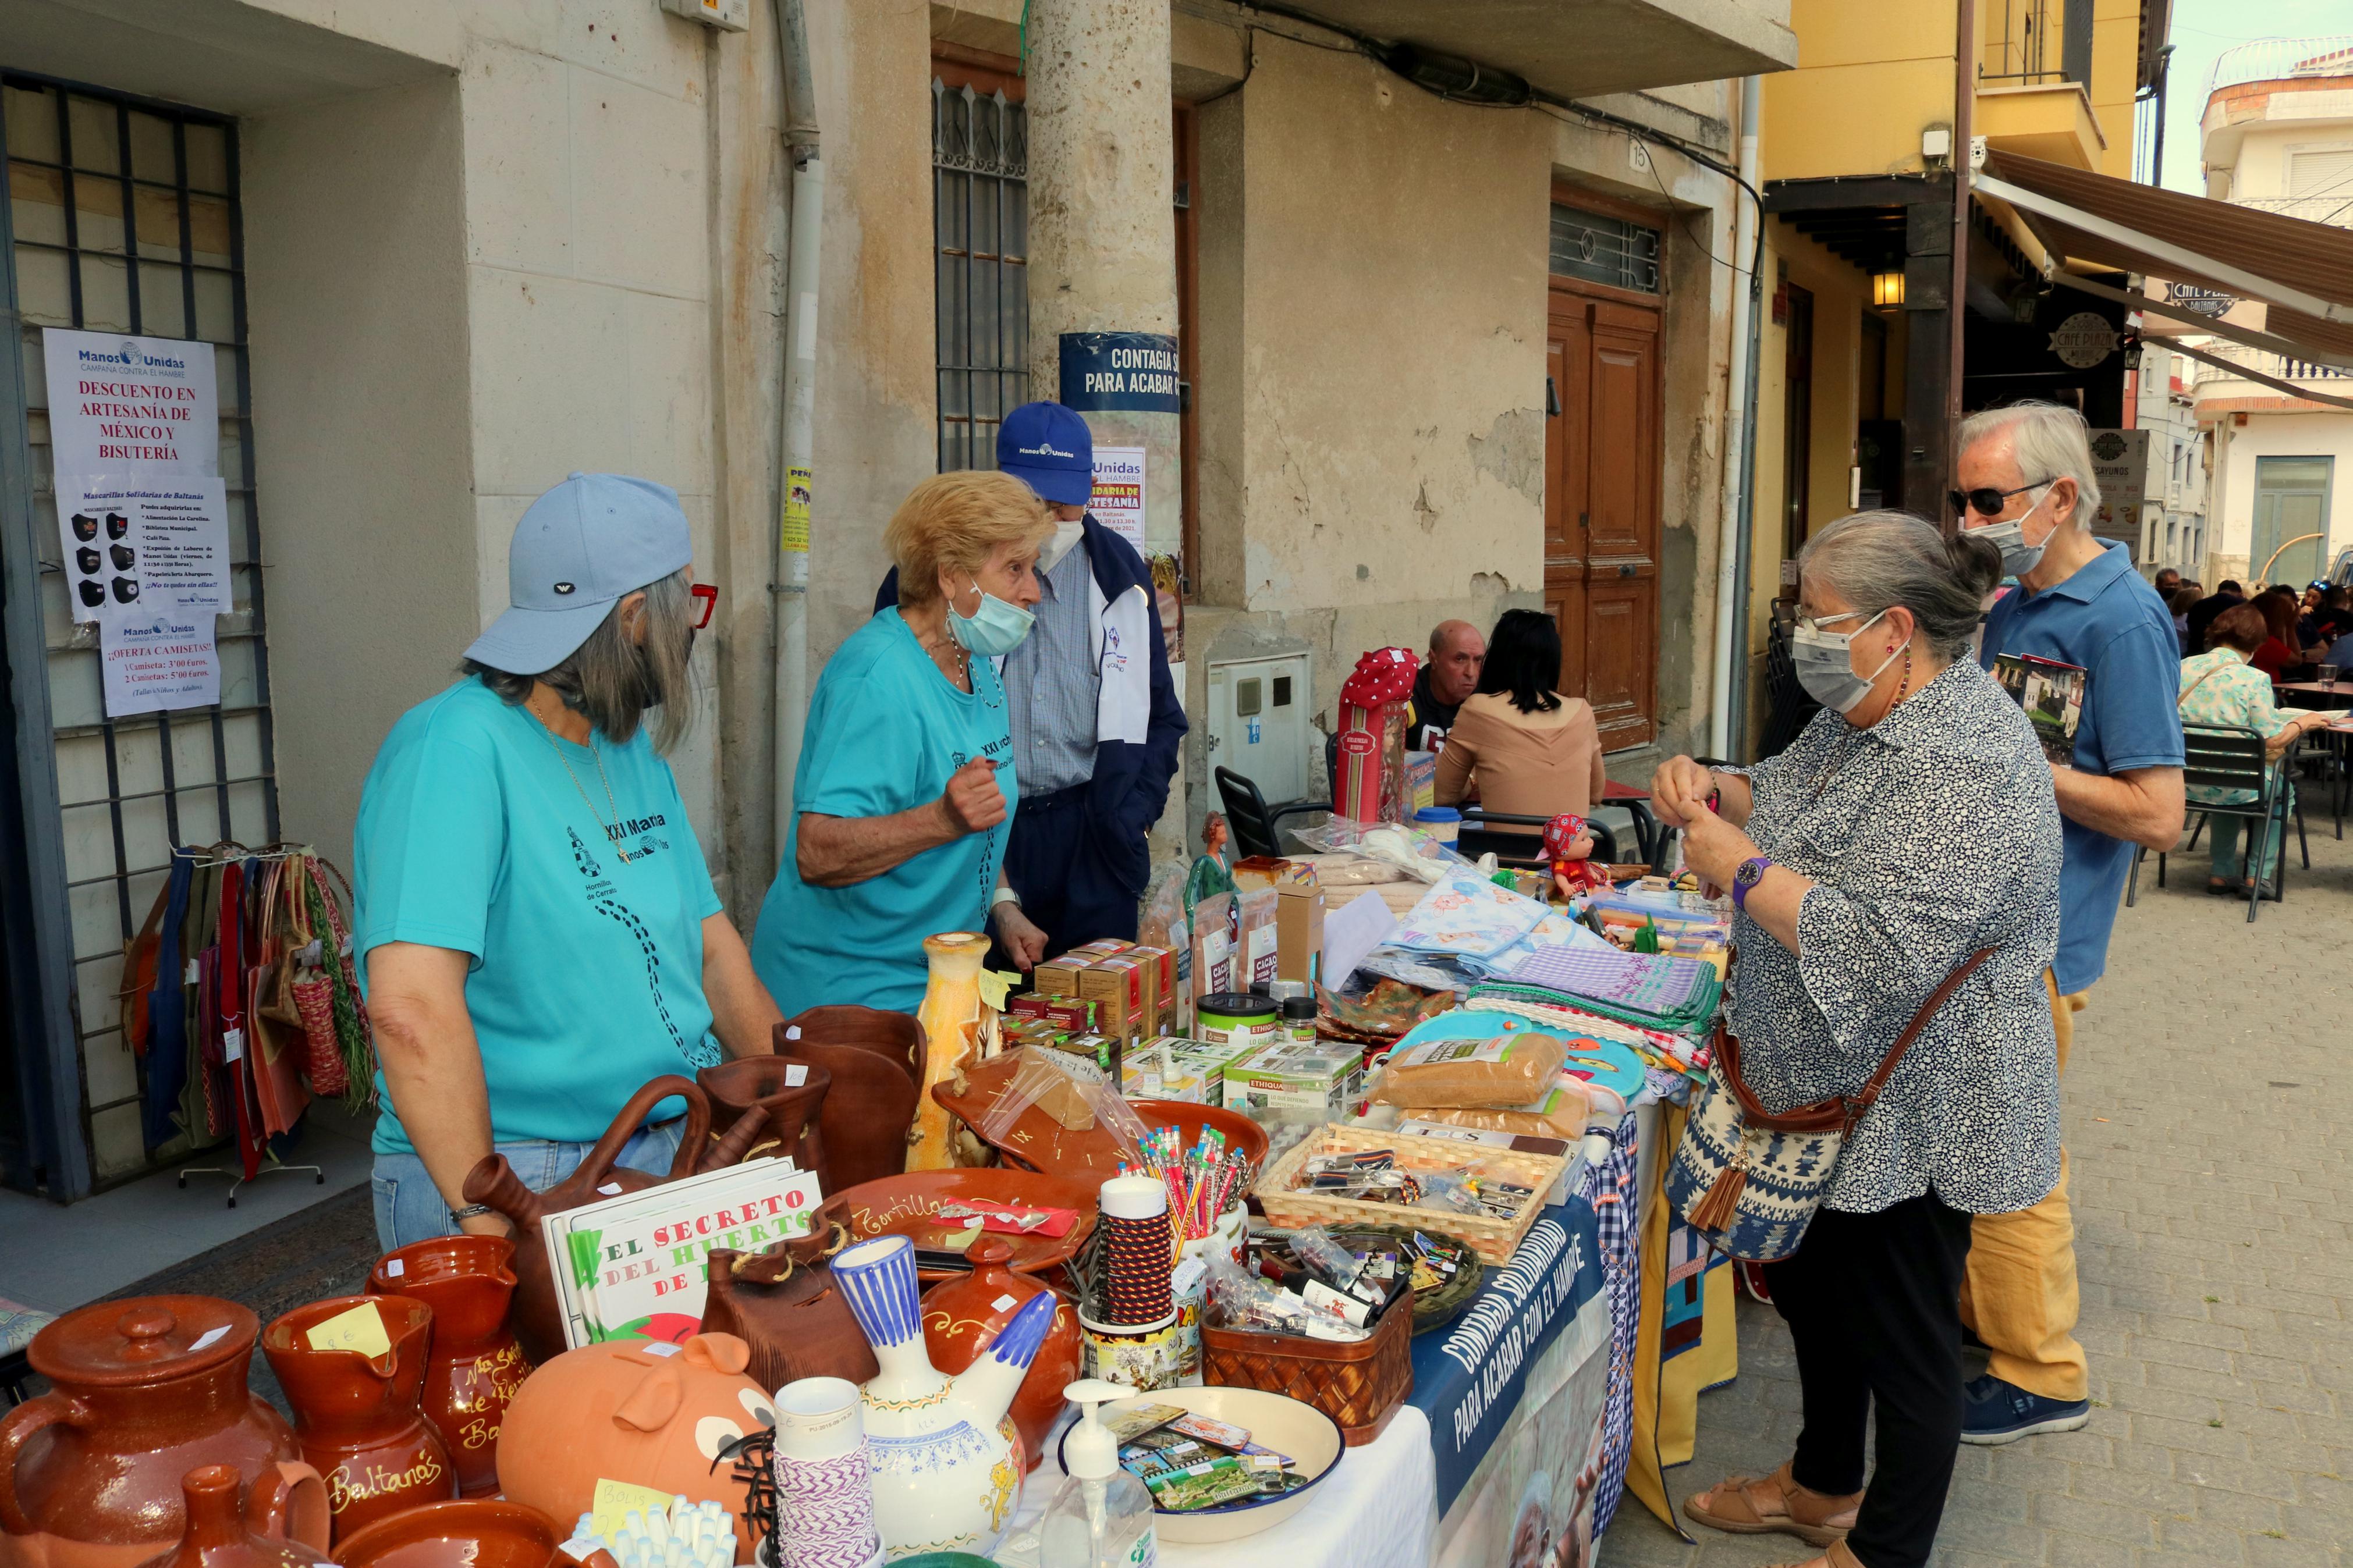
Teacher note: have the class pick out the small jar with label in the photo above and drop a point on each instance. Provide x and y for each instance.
(1299, 1020)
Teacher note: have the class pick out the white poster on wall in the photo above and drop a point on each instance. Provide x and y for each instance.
(122, 405)
(158, 659)
(1118, 498)
(134, 544)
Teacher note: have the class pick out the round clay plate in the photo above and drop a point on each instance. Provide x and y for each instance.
(904, 1206)
(1291, 1427)
(485, 1533)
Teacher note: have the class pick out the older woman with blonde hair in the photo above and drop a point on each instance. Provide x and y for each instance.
(905, 793)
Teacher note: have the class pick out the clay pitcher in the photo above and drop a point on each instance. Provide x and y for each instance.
(357, 1415)
(143, 1392)
(951, 1017)
(538, 1315)
(894, 1037)
(792, 1096)
(217, 1533)
(474, 1365)
(962, 1316)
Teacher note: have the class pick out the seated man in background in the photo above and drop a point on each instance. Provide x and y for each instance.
(1456, 653)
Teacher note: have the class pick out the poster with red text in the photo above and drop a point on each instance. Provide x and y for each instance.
(158, 658)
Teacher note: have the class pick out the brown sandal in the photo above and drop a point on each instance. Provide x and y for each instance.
(1837, 1556)
(1777, 1505)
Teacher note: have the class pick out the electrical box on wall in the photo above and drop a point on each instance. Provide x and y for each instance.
(1258, 724)
(732, 15)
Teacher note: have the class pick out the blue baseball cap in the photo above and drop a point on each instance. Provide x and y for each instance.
(577, 552)
(1049, 449)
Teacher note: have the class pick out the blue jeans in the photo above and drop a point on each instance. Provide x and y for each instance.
(409, 1207)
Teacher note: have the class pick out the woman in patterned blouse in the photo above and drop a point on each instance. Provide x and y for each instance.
(1911, 825)
(2221, 686)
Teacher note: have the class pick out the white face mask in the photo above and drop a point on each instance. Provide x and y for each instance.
(1065, 535)
(1826, 665)
(2018, 557)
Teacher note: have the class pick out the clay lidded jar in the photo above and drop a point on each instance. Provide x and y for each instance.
(357, 1417)
(218, 1535)
(474, 1365)
(143, 1391)
(963, 1316)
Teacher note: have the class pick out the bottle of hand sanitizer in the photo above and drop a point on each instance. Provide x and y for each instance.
(1101, 1517)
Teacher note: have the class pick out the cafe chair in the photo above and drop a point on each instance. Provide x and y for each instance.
(1523, 850)
(1256, 827)
(2231, 756)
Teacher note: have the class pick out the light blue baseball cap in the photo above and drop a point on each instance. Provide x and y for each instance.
(578, 551)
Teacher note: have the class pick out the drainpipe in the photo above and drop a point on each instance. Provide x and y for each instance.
(1740, 397)
(789, 591)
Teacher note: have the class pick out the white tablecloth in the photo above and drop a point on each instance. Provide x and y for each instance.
(1376, 1509)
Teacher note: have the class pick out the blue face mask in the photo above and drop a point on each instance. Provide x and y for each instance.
(1825, 664)
(993, 630)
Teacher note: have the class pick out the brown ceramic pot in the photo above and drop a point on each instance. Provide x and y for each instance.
(538, 1315)
(477, 1533)
(218, 1535)
(897, 1036)
(782, 1303)
(791, 1127)
(962, 1318)
(143, 1392)
(474, 1366)
(357, 1417)
(868, 1109)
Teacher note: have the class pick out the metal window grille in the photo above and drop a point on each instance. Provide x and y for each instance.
(980, 224)
(124, 216)
(1602, 249)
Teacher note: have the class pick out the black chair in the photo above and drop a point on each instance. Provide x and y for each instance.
(1524, 851)
(2231, 757)
(1255, 825)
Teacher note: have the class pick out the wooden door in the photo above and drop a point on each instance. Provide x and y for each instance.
(1602, 505)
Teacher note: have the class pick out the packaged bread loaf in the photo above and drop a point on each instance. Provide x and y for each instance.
(1505, 1071)
(1561, 1111)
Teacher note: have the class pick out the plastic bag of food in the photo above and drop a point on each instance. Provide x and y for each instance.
(1505, 1072)
(1561, 1111)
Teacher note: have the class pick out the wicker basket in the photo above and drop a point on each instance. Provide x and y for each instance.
(1358, 1384)
(1493, 1239)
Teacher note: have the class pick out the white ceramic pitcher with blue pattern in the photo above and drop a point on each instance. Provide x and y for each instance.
(945, 1475)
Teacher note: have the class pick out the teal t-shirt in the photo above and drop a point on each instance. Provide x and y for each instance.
(885, 731)
(476, 833)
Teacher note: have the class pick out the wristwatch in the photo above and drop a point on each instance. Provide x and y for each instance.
(1747, 875)
(1005, 895)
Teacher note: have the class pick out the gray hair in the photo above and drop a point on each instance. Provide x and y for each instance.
(1880, 560)
(611, 679)
(2050, 441)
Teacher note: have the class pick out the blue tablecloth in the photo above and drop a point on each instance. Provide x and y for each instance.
(1469, 1376)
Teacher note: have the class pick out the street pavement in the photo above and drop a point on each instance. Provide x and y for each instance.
(2209, 1113)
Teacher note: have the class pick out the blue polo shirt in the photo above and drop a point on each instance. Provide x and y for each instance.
(2111, 622)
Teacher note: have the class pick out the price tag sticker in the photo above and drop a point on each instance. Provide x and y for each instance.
(233, 1048)
(610, 1189)
(1003, 1302)
(609, 1510)
(661, 1348)
(796, 1075)
(361, 1330)
(209, 1338)
(394, 1267)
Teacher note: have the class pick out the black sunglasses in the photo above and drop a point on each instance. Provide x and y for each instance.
(1988, 501)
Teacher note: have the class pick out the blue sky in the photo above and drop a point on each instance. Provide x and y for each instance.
(2202, 30)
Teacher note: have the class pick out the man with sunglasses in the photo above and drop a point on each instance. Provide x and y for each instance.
(2026, 486)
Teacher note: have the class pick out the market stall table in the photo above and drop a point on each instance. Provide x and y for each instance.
(2313, 693)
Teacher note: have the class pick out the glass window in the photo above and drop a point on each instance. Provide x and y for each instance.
(1602, 249)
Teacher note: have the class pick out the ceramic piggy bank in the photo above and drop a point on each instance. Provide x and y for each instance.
(640, 1411)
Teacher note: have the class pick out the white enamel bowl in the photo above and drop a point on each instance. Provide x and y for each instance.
(1275, 1421)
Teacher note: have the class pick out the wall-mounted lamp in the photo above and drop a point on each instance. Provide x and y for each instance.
(1887, 289)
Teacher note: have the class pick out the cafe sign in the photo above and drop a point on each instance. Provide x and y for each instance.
(2083, 340)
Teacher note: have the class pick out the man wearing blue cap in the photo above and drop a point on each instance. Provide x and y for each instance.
(536, 928)
(1095, 715)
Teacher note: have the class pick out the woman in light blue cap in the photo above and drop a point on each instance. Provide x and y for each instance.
(536, 928)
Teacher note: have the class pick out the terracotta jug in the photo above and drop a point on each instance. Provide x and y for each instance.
(868, 1109)
(952, 1016)
(143, 1392)
(962, 1316)
(357, 1417)
(217, 1535)
(895, 1036)
(789, 1096)
(476, 1533)
(644, 1411)
(538, 1315)
(473, 1366)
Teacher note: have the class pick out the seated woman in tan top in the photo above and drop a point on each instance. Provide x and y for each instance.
(1517, 745)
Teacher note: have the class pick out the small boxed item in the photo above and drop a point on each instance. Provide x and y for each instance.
(1420, 782)
(1296, 1077)
(1104, 947)
(1071, 1014)
(1115, 990)
(1058, 976)
(1299, 933)
(1159, 983)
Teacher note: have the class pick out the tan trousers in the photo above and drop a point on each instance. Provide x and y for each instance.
(2019, 1294)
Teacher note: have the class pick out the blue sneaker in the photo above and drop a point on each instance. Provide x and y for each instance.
(2000, 1412)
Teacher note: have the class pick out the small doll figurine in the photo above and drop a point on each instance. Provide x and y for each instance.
(1569, 848)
